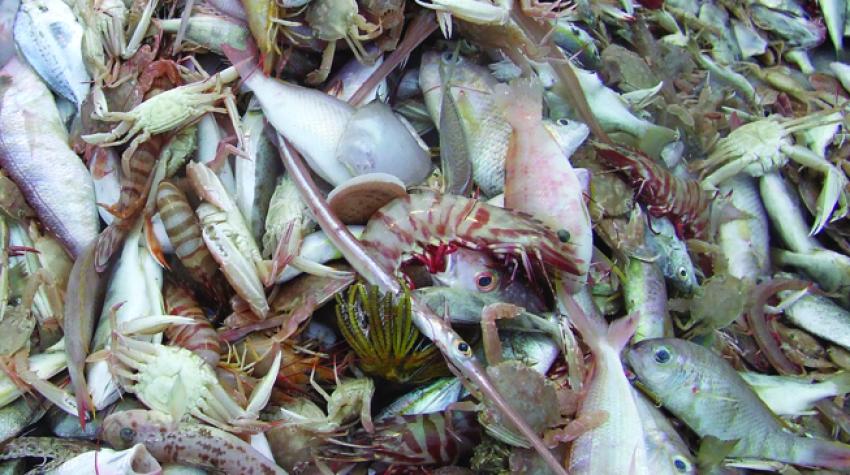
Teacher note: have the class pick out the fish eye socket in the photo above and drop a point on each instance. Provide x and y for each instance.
(681, 464)
(485, 281)
(127, 434)
(563, 122)
(662, 355)
(464, 348)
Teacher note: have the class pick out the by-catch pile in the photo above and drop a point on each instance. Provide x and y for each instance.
(598, 237)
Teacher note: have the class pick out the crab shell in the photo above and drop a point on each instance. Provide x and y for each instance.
(176, 381)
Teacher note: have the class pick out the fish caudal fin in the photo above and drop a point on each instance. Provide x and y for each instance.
(814, 452)
(521, 102)
(593, 330)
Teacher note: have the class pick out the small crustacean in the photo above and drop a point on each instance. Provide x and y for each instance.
(169, 110)
(201, 337)
(762, 146)
(439, 438)
(381, 332)
(428, 224)
(189, 443)
(489, 12)
(178, 382)
(352, 398)
(184, 231)
(683, 201)
(333, 20)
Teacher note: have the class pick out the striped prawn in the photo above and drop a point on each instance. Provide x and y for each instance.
(427, 226)
(683, 201)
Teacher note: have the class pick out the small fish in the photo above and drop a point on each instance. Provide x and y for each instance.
(745, 241)
(675, 262)
(820, 316)
(575, 41)
(708, 395)
(667, 453)
(645, 292)
(50, 38)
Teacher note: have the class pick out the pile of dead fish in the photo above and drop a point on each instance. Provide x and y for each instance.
(424, 236)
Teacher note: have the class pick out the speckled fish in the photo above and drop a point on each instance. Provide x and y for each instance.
(34, 152)
(185, 443)
(708, 395)
(50, 38)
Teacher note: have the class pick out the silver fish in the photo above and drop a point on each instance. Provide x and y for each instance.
(34, 151)
(50, 38)
(708, 395)
(674, 260)
(667, 453)
(745, 241)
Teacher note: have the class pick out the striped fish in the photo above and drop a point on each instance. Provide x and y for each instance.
(200, 338)
(184, 232)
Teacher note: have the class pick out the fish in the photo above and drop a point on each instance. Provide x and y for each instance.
(667, 453)
(50, 38)
(34, 152)
(820, 316)
(645, 293)
(745, 241)
(674, 260)
(706, 393)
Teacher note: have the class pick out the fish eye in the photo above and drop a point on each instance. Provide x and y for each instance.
(485, 281)
(681, 464)
(563, 122)
(683, 273)
(563, 236)
(463, 348)
(662, 355)
(127, 434)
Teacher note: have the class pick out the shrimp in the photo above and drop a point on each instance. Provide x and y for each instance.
(428, 224)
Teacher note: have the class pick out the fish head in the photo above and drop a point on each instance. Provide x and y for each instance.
(125, 429)
(660, 364)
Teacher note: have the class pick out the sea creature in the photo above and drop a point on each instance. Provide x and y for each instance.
(706, 393)
(185, 443)
(333, 20)
(380, 330)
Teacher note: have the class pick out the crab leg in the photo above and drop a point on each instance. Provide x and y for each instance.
(456, 351)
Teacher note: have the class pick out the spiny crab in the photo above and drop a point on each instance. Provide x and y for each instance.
(765, 145)
(176, 381)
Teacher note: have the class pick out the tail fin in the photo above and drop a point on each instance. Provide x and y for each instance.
(593, 330)
(820, 453)
(245, 60)
(521, 102)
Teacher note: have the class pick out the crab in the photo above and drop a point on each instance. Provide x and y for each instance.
(765, 145)
(178, 382)
(351, 397)
(490, 12)
(167, 111)
(333, 20)
(539, 400)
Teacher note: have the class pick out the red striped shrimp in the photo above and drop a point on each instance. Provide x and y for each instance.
(438, 438)
(427, 226)
(201, 338)
(682, 200)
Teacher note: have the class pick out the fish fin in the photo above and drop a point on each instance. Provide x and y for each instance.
(820, 453)
(840, 382)
(655, 139)
(521, 102)
(591, 328)
(245, 60)
(620, 331)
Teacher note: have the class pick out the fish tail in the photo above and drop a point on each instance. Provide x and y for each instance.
(814, 452)
(593, 330)
(521, 102)
(655, 139)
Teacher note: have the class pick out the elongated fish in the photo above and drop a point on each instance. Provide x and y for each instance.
(708, 395)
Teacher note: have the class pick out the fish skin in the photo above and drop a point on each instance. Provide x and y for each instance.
(20, 414)
(708, 395)
(645, 292)
(745, 242)
(796, 395)
(8, 9)
(50, 38)
(667, 453)
(820, 316)
(34, 151)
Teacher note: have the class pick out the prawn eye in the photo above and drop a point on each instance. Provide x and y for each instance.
(662, 355)
(127, 434)
(464, 348)
(563, 235)
(485, 281)
(681, 464)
